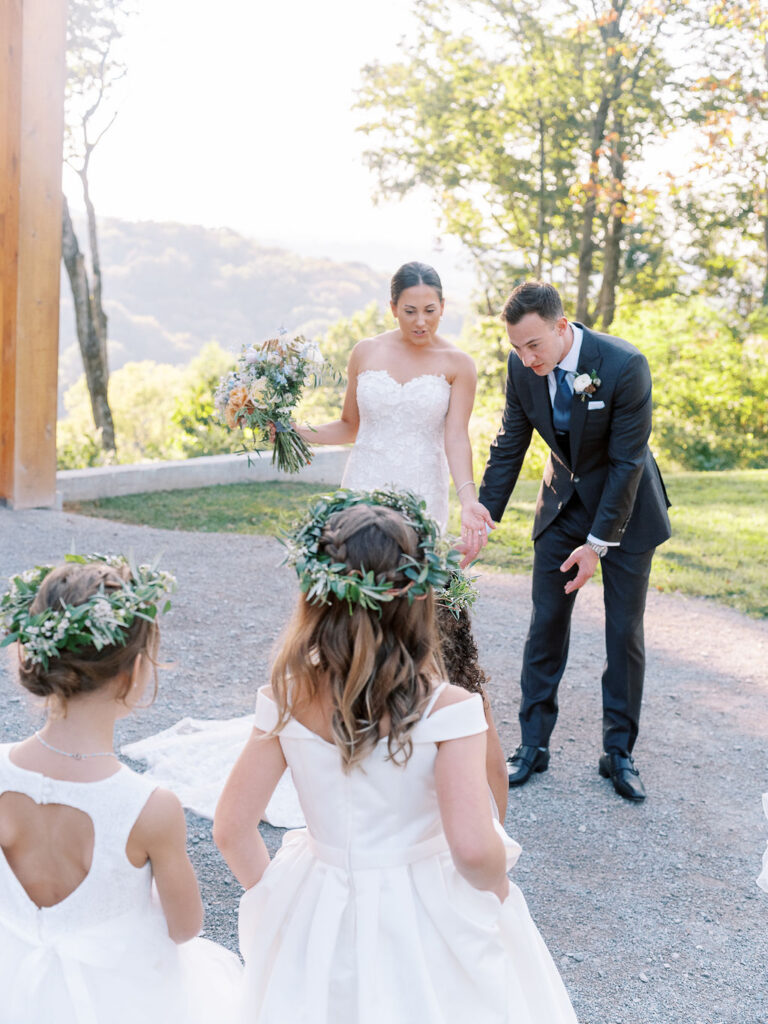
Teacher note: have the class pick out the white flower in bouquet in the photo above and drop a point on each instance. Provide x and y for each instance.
(257, 389)
(311, 352)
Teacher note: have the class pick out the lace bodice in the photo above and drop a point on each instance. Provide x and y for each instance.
(400, 442)
(113, 886)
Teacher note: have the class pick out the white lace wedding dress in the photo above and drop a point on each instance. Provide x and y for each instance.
(399, 446)
(400, 441)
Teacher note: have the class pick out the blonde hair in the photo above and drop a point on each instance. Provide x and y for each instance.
(71, 673)
(374, 664)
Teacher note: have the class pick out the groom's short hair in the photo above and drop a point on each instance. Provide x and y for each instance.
(532, 297)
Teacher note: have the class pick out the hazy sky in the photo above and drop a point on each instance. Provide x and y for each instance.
(238, 113)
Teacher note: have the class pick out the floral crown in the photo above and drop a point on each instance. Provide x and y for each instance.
(320, 577)
(101, 621)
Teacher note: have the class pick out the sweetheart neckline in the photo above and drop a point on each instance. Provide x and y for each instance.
(404, 383)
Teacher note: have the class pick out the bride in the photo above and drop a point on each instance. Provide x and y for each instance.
(409, 398)
(408, 401)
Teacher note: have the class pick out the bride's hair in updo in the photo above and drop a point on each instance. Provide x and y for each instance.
(71, 673)
(377, 665)
(412, 274)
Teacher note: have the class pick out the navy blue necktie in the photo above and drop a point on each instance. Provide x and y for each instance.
(561, 410)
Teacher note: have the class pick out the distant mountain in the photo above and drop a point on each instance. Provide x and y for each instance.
(171, 288)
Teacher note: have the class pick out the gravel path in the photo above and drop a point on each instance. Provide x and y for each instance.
(651, 911)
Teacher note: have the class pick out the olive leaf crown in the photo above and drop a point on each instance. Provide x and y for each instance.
(101, 621)
(322, 579)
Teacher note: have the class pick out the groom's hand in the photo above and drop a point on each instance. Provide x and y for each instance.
(586, 559)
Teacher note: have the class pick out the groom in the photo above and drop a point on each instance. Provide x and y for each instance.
(602, 498)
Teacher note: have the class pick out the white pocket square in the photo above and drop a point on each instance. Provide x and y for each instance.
(595, 405)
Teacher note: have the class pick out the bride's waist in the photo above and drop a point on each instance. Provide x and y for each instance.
(417, 446)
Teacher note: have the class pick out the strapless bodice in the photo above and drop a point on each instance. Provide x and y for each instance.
(400, 442)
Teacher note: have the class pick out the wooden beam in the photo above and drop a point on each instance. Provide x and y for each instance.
(10, 145)
(31, 165)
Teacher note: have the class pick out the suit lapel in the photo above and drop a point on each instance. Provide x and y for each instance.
(589, 360)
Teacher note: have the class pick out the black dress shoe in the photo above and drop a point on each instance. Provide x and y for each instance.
(524, 762)
(620, 769)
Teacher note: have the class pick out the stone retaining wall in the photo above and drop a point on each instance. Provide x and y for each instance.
(113, 481)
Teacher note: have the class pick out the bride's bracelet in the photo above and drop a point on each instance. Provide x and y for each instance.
(465, 484)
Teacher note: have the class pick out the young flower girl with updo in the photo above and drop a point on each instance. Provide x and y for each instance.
(393, 906)
(96, 889)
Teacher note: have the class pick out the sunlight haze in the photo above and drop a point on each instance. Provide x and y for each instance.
(239, 114)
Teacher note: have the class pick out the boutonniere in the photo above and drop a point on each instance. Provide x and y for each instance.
(586, 384)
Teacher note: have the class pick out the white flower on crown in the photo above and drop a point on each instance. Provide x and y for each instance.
(102, 611)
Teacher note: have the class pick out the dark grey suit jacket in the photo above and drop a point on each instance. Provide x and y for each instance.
(610, 465)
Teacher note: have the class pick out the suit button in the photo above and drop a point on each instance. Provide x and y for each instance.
(559, 504)
(576, 479)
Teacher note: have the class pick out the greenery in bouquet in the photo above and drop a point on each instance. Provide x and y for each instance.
(263, 390)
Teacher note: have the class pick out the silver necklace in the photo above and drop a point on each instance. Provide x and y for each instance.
(77, 757)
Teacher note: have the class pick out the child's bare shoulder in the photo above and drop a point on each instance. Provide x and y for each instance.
(161, 814)
(451, 695)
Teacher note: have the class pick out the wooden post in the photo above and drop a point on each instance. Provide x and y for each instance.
(32, 74)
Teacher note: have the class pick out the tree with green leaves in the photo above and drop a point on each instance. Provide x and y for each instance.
(723, 196)
(526, 124)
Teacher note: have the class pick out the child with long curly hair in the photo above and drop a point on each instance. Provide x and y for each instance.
(393, 905)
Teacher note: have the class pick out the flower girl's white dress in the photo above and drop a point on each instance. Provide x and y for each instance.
(362, 918)
(102, 955)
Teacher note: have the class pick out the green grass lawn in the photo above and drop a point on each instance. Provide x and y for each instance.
(719, 547)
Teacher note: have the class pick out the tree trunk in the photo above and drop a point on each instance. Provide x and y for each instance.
(765, 238)
(606, 303)
(87, 333)
(542, 220)
(98, 316)
(587, 245)
(612, 36)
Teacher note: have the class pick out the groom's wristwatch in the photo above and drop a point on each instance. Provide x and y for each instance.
(599, 549)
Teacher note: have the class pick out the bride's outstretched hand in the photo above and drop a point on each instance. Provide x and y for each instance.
(273, 430)
(476, 523)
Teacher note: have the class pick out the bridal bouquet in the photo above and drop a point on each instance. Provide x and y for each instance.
(263, 390)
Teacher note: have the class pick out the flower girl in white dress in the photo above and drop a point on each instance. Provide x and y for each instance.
(393, 906)
(96, 888)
